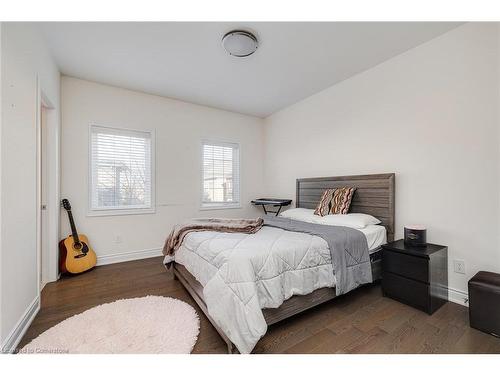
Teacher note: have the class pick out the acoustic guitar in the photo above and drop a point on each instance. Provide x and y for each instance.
(75, 254)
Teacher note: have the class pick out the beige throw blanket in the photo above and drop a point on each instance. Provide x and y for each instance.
(175, 238)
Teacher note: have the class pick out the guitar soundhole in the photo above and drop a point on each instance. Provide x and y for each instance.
(81, 247)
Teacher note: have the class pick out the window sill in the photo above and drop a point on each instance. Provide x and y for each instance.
(121, 212)
(220, 207)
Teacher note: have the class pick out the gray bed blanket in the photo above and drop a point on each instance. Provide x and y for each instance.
(348, 249)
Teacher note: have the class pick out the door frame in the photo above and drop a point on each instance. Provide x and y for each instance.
(52, 153)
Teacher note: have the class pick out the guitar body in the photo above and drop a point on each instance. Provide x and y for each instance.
(75, 254)
(76, 258)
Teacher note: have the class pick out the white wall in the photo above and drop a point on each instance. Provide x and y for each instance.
(431, 116)
(1, 122)
(24, 58)
(179, 128)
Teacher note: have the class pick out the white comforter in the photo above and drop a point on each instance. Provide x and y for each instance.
(242, 274)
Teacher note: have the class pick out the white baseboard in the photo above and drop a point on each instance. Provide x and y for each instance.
(127, 256)
(458, 296)
(15, 336)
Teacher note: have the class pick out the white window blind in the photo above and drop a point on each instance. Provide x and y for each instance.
(221, 174)
(121, 170)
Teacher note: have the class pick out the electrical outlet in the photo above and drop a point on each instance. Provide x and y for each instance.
(459, 266)
(117, 239)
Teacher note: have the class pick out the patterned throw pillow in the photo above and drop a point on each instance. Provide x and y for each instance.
(341, 200)
(323, 207)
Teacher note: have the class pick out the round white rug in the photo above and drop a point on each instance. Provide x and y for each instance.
(151, 324)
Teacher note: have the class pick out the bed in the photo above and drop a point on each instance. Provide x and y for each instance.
(374, 196)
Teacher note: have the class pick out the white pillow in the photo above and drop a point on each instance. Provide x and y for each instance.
(302, 214)
(357, 221)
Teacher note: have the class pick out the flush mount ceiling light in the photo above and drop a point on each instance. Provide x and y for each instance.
(240, 43)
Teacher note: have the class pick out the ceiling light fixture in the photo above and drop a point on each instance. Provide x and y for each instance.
(239, 43)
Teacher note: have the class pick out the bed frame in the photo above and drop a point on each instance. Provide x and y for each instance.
(374, 195)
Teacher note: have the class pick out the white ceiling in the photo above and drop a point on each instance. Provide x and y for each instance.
(186, 60)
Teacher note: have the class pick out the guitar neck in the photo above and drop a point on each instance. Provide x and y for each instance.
(74, 233)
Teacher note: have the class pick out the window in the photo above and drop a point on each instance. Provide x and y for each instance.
(121, 177)
(221, 175)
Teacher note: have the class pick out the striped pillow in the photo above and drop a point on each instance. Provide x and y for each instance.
(323, 207)
(341, 200)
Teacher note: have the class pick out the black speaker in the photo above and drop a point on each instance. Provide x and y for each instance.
(415, 235)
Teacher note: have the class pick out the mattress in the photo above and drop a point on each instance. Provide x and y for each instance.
(376, 236)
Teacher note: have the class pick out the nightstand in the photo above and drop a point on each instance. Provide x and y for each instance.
(416, 276)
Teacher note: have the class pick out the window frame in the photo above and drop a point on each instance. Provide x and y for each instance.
(121, 211)
(219, 205)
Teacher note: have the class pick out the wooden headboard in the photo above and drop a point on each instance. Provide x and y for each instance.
(374, 195)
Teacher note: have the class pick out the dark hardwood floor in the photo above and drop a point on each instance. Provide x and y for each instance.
(360, 322)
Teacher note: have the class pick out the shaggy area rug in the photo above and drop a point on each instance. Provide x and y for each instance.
(149, 324)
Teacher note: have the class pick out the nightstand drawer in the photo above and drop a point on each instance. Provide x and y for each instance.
(416, 268)
(411, 292)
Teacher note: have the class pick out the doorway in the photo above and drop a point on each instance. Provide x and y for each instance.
(44, 235)
(47, 190)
